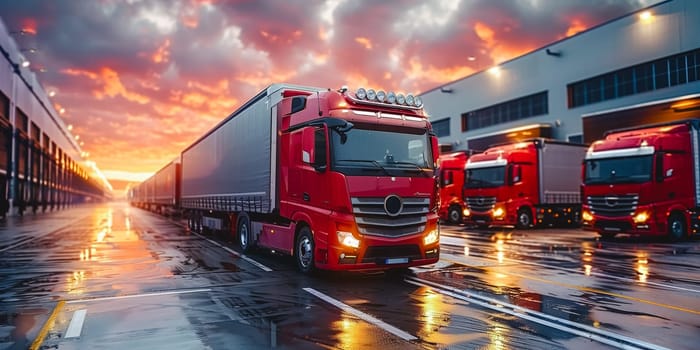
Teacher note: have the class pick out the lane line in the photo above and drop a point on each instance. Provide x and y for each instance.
(582, 330)
(361, 315)
(47, 325)
(651, 283)
(235, 253)
(76, 324)
(201, 290)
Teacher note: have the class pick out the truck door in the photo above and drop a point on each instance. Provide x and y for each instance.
(315, 190)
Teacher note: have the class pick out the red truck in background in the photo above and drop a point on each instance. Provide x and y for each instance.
(523, 184)
(644, 181)
(451, 175)
(340, 180)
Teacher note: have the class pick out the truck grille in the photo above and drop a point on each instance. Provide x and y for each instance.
(480, 203)
(613, 206)
(391, 216)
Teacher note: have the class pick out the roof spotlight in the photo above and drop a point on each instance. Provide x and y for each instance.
(371, 95)
(381, 96)
(400, 99)
(361, 93)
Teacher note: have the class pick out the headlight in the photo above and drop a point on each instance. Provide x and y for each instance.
(347, 239)
(498, 212)
(586, 216)
(466, 212)
(641, 218)
(431, 237)
(391, 97)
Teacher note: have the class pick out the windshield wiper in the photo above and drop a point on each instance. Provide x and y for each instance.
(376, 163)
(414, 165)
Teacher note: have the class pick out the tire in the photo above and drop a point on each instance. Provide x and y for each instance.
(454, 215)
(676, 227)
(244, 233)
(304, 251)
(524, 218)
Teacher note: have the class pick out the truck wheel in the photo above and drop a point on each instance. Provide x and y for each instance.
(676, 227)
(454, 215)
(244, 233)
(304, 252)
(524, 218)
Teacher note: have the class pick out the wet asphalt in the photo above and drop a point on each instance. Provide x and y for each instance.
(113, 277)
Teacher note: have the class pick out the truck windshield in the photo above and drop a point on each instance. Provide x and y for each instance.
(618, 170)
(373, 152)
(485, 177)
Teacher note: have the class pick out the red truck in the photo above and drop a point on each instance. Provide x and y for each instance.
(644, 181)
(523, 184)
(451, 175)
(340, 180)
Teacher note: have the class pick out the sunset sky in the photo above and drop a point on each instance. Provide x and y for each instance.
(141, 80)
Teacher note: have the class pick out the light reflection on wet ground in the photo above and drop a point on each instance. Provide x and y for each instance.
(147, 283)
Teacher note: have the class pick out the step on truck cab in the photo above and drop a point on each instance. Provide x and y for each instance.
(341, 180)
(523, 184)
(644, 181)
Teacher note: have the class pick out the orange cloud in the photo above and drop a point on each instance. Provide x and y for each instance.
(364, 42)
(162, 54)
(485, 33)
(111, 84)
(576, 26)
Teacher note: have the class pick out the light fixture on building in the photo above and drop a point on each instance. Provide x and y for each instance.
(447, 90)
(495, 71)
(646, 16)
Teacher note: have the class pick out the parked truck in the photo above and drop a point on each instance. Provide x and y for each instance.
(451, 174)
(340, 180)
(523, 184)
(644, 181)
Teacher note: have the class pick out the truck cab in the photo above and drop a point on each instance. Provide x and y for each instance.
(643, 181)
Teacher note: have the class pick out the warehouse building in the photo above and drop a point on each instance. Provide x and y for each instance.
(42, 166)
(641, 68)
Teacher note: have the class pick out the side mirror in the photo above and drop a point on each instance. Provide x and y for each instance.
(313, 147)
(659, 167)
(308, 154)
(513, 174)
(435, 149)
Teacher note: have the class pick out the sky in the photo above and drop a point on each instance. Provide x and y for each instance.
(140, 80)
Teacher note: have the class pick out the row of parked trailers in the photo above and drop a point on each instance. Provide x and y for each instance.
(40, 162)
(160, 192)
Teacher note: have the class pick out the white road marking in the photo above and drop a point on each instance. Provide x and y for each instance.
(361, 315)
(76, 324)
(202, 290)
(582, 330)
(235, 253)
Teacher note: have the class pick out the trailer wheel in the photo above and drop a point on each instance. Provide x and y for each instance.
(304, 252)
(676, 227)
(524, 218)
(454, 215)
(244, 233)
